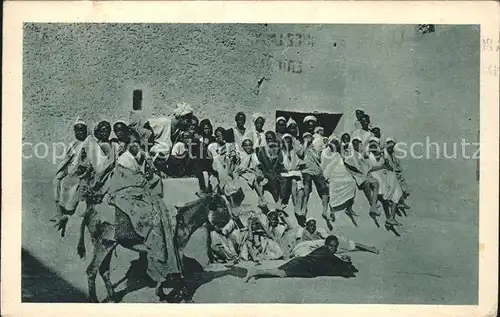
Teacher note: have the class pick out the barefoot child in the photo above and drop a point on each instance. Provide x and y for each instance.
(320, 262)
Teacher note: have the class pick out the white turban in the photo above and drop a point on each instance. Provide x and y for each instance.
(80, 121)
(287, 135)
(310, 118)
(374, 139)
(257, 116)
(182, 109)
(280, 119)
(160, 150)
(306, 134)
(121, 121)
(317, 129)
(357, 138)
(290, 122)
(390, 140)
(310, 219)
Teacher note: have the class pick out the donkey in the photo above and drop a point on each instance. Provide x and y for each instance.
(189, 218)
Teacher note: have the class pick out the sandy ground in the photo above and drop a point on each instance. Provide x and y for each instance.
(433, 261)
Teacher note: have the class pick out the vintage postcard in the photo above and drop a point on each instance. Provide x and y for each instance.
(164, 156)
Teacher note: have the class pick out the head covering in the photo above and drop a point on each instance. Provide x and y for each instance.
(287, 135)
(258, 115)
(310, 118)
(182, 109)
(360, 109)
(271, 212)
(120, 121)
(356, 138)
(203, 123)
(161, 150)
(310, 219)
(246, 139)
(390, 140)
(280, 119)
(306, 134)
(79, 121)
(332, 137)
(374, 139)
(317, 129)
(290, 122)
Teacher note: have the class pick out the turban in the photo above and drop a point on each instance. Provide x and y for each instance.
(80, 121)
(374, 139)
(257, 116)
(161, 150)
(317, 129)
(271, 213)
(287, 135)
(122, 122)
(356, 138)
(310, 118)
(390, 140)
(306, 134)
(281, 119)
(290, 122)
(310, 219)
(182, 109)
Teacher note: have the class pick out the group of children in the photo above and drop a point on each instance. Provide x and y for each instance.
(284, 162)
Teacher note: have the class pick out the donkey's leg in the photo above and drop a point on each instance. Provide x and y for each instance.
(105, 272)
(100, 254)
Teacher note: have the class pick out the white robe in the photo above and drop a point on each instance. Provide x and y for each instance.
(341, 182)
(389, 186)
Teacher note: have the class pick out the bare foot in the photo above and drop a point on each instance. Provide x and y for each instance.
(393, 222)
(250, 275)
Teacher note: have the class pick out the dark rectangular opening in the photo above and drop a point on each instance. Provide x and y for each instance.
(137, 100)
(328, 121)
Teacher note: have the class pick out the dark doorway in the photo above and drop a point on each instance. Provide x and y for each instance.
(328, 121)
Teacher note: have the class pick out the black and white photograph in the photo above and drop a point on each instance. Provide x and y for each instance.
(278, 163)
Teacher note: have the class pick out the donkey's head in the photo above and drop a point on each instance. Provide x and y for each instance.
(193, 215)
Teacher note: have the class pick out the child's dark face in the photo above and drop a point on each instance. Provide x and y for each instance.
(207, 130)
(390, 146)
(311, 227)
(248, 146)
(121, 132)
(356, 144)
(310, 126)
(104, 133)
(193, 126)
(80, 132)
(288, 143)
(280, 126)
(219, 137)
(376, 132)
(273, 220)
(259, 124)
(359, 114)
(292, 129)
(241, 120)
(346, 138)
(134, 147)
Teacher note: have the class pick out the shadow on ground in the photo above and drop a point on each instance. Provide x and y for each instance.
(39, 284)
(136, 279)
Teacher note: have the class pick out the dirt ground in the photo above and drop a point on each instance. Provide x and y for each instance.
(432, 261)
